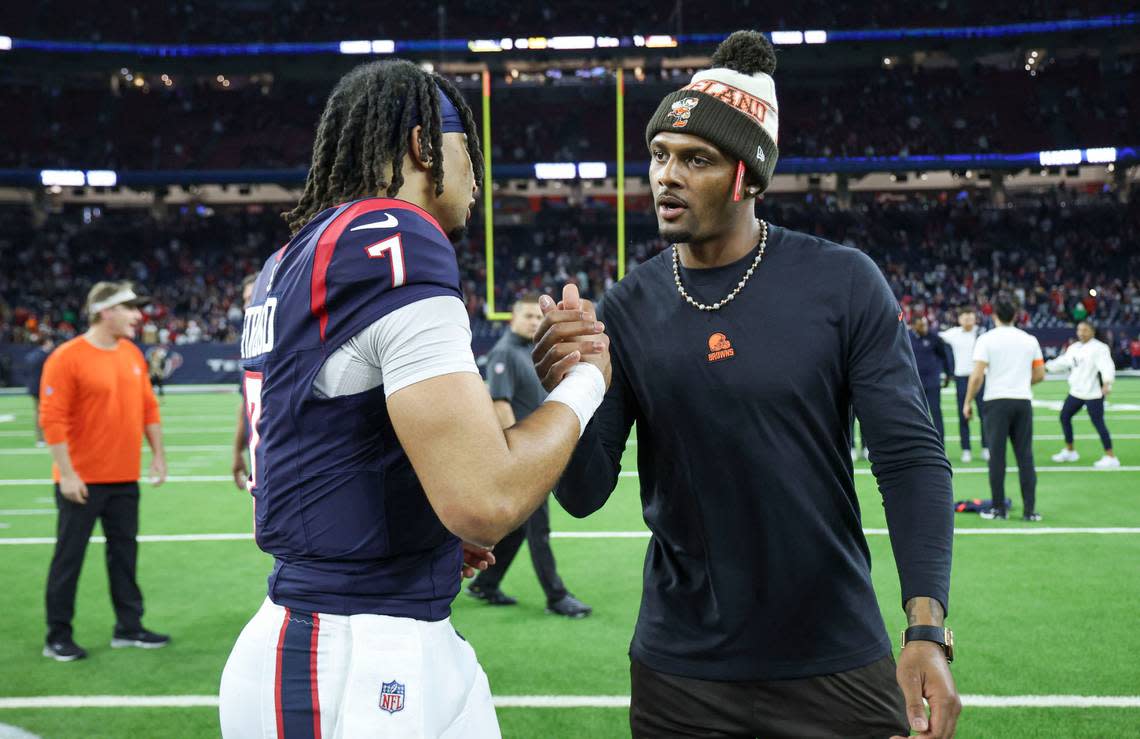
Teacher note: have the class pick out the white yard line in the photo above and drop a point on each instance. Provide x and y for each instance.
(542, 701)
(996, 531)
(41, 451)
(172, 478)
(976, 470)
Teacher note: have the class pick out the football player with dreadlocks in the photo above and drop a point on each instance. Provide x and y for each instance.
(375, 449)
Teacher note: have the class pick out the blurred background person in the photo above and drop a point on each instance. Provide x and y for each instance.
(97, 405)
(961, 340)
(1091, 374)
(517, 392)
(1009, 362)
(34, 361)
(934, 362)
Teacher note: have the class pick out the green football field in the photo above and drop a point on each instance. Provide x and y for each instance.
(1045, 614)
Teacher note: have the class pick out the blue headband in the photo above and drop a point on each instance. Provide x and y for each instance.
(449, 119)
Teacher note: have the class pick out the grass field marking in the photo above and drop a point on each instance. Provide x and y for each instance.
(40, 451)
(165, 432)
(172, 478)
(1036, 437)
(1000, 531)
(965, 470)
(1039, 419)
(28, 512)
(543, 701)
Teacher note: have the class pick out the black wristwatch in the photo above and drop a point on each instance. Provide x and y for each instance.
(937, 634)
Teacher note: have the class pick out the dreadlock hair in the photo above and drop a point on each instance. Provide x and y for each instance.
(362, 136)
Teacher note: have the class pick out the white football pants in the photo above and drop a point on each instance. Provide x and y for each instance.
(294, 675)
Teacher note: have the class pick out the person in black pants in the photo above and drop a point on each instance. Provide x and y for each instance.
(96, 406)
(737, 352)
(517, 392)
(961, 340)
(934, 362)
(1010, 362)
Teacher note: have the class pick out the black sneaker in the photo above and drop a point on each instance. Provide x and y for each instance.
(492, 596)
(992, 513)
(142, 638)
(1031, 517)
(570, 607)
(64, 650)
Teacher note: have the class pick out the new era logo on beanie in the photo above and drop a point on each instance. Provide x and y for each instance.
(732, 105)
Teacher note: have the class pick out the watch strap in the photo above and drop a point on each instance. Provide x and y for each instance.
(937, 634)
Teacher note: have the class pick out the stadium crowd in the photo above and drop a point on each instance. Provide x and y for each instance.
(260, 121)
(1063, 255)
(204, 21)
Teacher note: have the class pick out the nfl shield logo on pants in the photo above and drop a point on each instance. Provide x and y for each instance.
(392, 697)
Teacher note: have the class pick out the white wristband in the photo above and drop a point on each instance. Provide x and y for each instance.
(582, 390)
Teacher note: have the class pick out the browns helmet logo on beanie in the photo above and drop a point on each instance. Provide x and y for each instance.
(681, 110)
(731, 105)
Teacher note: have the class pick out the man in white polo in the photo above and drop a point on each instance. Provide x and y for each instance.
(1091, 374)
(1009, 361)
(961, 339)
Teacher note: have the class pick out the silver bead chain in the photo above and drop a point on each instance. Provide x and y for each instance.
(739, 286)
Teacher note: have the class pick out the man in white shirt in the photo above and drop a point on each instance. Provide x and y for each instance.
(1009, 361)
(1091, 374)
(961, 339)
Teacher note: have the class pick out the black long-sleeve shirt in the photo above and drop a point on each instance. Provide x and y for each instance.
(757, 566)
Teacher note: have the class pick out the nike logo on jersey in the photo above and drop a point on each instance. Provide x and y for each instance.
(388, 222)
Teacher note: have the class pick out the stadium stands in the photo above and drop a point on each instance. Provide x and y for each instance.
(938, 251)
(213, 21)
(259, 121)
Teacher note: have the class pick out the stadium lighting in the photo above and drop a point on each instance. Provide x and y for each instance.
(1059, 158)
(815, 37)
(5, 43)
(787, 37)
(484, 45)
(62, 178)
(592, 170)
(660, 42)
(1106, 155)
(639, 40)
(383, 46)
(102, 178)
(571, 42)
(608, 42)
(536, 42)
(355, 47)
(522, 43)
(555, 170)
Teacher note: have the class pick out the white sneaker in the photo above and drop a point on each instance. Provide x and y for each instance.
(1106, 463)
(986, 454)
(1066, 455)
(966, 456)
(854, 455)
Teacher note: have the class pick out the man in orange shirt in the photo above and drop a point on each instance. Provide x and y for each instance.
(96, 403)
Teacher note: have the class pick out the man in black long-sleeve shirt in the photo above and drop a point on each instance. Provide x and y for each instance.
(737, 354)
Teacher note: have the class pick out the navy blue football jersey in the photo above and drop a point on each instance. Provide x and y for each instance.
(336, 501)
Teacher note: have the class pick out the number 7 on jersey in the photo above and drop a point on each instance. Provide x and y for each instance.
(381, 249)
